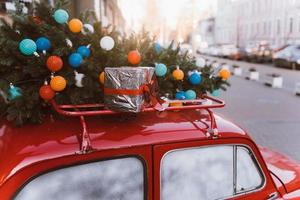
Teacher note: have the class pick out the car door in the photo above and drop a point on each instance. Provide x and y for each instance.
(215, 169)
(111, 174)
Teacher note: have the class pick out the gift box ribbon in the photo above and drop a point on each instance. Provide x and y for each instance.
(149, 90)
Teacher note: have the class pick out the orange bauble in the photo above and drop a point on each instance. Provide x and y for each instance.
(58, 83)
(134, 57)
(75, 25)
(176, 104)
(102, 78)
(46, 92)
(178, 74)
(54, 63)
(224, 74)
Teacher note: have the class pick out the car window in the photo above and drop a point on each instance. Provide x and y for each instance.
(196, 174)
(108, 180)
(248, 174)
(214, 172)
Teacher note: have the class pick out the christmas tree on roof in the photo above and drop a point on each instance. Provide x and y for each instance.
(46, 55)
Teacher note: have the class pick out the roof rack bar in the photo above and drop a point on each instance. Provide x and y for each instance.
(84, 140)
(73, 110)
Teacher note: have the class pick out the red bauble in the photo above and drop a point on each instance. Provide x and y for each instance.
(54, 63)
(37, 20)
(134, 57)
(46, 92)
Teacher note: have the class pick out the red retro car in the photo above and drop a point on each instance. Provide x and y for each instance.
(173, 155)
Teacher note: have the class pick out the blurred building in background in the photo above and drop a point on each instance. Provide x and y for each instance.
(206, 30)
(107, 11)
(242, 22)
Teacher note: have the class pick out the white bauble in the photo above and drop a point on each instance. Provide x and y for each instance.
(107, 43)
(87, 29)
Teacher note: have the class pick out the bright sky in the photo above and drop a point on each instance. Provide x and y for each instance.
(171, 10)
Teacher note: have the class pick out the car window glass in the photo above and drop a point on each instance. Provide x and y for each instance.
(248, 174)
(106, 180)
(193, 174)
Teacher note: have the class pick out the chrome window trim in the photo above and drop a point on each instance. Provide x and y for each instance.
(253, 156)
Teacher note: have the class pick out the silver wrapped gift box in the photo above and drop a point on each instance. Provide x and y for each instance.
(123, 87)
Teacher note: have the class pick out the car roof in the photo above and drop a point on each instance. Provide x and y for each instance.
(29, 144)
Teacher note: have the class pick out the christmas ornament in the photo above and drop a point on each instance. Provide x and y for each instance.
(78, 79)
(87, 29)
(107, 43)
(84, 51)
(195, 78)
(176, 104)
(37, 20)
(46, 92)
(224, 74)
(160, 69)
(43, 44)
(134, 57)
(75, 25)
(54, 63)
(75, 60)
(14, 92)
(190, 94)
(178, 74)
(102, 78)
(216, 93)
(157, 47)
(58, 83)
(69, 43)
(61, 16)
(27, 47)
(200, 62)
(180, 95)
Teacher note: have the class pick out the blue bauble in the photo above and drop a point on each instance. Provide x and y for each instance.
(180, 95)
(195, 78)
(190, 95)
(61, 16)
(160, 69)
(14, 92)
(157, 47)
(84, 51)
(27, 47)
(43, 44)
(216, 93)
(75, 60)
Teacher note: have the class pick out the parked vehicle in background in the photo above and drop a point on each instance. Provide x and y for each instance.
(230, 51)
(250, 51)
(262, 52)
(288, 57)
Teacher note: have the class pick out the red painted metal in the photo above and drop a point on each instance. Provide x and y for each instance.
(99, 109)
(34, 149)
(161, 150)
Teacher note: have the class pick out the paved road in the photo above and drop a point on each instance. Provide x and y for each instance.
(290, 77)
(271, 116)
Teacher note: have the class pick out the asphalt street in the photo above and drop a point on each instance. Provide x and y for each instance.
(271, 116)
